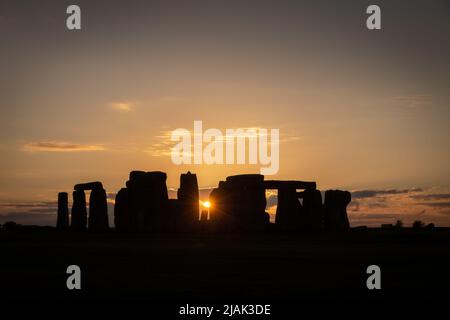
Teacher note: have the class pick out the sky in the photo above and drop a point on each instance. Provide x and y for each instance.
(357, 109)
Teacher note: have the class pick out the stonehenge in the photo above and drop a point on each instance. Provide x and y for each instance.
(291, 213)
(240, 203)
(142, 205)
(237, 204)
(98, 208)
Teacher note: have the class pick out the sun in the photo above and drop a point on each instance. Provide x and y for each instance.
(206, 204)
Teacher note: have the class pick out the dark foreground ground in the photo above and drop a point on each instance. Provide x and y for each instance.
(220, 268)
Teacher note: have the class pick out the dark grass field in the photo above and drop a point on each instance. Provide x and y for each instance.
(415, 264)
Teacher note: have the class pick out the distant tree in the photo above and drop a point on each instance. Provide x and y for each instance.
(417, 224)
(10, 225)
(429, 226)
(398, 224)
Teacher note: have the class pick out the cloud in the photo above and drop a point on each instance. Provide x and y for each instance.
(43, 206)
(361, 194)
(272, 200)
(402, 204)
(413, 101)
(353, 206)
(432, 196)
(163, 141)
(111, 195)
(161, 149)
(47, 219)
(40, 213)
(373, 216)
(437, 204)
(123, 106)
(433, 200)
(59, 146)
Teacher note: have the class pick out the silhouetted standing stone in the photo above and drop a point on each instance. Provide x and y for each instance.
(122, 217)
(62, 221)
(251, 202)
(289, 215)
(219, 213)
(79, 212)
(188, 199)
(312, 207)
(335, 209)
(240, 203)
(172, 215)
(148, 200)
(98, 210)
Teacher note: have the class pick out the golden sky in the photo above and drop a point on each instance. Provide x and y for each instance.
(356, 109)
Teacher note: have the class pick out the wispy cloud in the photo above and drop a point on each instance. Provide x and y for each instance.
(40, 212)
(432, 196)
(161, 149)
(111, 195)
(433, 200)
(361, 194)
(437, 204)
(124, 106)
(414, 101)
(272, 200)
(59, 146)
(389, 205)
(40, 206)
(163, 144)
(46, 219)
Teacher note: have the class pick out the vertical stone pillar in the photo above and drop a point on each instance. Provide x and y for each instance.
(312, 206)
(289, 215)
(79, 212)
(335, 209)
(62, 220)
(122, 216)
(188, 198)
(98, 210)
